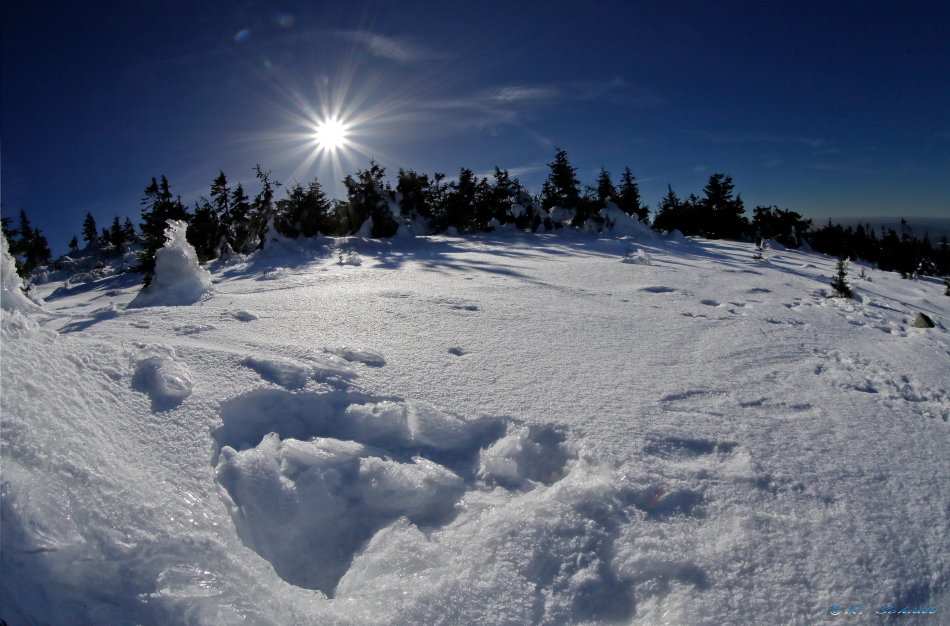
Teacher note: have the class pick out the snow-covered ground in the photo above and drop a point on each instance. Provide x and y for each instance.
(498, 429)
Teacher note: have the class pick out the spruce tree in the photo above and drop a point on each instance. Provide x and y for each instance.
(670, 213)
(365, 196)
(840, 281)
(128, 231)
(460, 203)
(8, 233)
(89, 232)
(159, 206)
(116, 234)
(562, 188)
(74, 244)
(721, 214)
(413, 190)
(240, 211)
(203, 230)
(605, 189)
(305, 211)
(262, 209)
(628, 197)
(502, 194)
(28, 246)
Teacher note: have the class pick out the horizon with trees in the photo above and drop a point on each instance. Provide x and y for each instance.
(229, 221)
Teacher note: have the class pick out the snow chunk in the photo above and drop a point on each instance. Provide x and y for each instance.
(294, 374)
(284, 372)
(639, 258)
(524, 458)
(373, 359)
(350, 258)
(274, 274)
(308, 506)
(178, 280)
(160, 375)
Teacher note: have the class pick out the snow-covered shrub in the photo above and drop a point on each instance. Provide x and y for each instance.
(178, 280)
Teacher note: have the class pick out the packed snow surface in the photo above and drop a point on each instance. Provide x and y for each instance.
(499, 429)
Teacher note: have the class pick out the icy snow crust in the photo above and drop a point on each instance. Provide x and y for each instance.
(527, 431)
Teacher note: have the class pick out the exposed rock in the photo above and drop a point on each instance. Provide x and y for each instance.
(923, 321)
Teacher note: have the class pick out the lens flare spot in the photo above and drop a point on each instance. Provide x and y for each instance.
(331, 134)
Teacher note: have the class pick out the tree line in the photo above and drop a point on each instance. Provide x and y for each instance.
(229, 221)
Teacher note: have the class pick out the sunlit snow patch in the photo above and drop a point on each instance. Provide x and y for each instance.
(178, 279)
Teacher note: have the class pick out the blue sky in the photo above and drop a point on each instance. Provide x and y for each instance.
(826, 110)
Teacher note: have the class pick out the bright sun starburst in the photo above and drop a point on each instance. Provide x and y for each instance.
(331, 134)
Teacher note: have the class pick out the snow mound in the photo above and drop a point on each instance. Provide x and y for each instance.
(350, 258)
(622, 225)
(368, 357)
(12, 297)
(640, 258)
(524, 458)
(178, 279)
(159, 374)
(274, 274)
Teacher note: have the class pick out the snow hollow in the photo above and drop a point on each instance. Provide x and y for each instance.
(506, 428)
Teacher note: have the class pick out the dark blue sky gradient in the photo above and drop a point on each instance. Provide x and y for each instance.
(829, 109)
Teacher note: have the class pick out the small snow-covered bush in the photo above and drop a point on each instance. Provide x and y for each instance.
(178, 280)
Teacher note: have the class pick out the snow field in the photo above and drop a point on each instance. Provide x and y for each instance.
(527, 432)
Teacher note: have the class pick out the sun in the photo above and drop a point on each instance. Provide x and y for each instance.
(331, 134)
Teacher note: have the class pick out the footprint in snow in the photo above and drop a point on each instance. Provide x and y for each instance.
(328, 471)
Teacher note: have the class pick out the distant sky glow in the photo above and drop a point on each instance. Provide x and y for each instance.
(830, 109)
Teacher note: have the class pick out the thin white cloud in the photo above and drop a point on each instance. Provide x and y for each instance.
(519, 93)
(743, 138)
(506, 105)
(398, 49)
